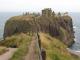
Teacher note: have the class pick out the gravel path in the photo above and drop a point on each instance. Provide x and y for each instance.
(8, 54)
(31, 53)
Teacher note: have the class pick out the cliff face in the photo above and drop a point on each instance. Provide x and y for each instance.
(57, 26)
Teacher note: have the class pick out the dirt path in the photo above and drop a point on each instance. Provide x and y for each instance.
(31, 53)
(8, 54)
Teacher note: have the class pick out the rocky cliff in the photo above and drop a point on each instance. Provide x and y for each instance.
(57, 25)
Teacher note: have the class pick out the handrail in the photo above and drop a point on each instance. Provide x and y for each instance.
(38, 46)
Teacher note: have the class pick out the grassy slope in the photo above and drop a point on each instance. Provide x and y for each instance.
(22, 41)
(23, 48)
(55, 49)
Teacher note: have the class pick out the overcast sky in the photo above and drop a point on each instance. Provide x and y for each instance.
(37, 5)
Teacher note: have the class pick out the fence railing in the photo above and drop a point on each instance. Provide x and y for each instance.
(38, 46)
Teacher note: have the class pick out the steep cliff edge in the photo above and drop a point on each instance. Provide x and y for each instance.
(58, 26)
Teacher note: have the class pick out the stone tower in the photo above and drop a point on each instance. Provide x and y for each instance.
(47, 12)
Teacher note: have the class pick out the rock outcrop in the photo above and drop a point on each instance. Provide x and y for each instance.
(58, 26)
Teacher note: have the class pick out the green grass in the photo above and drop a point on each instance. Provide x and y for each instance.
(55, 49)
(22, 42)
(16, 39)
(22, 49)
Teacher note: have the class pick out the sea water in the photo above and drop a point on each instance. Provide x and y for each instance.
(76, 24)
